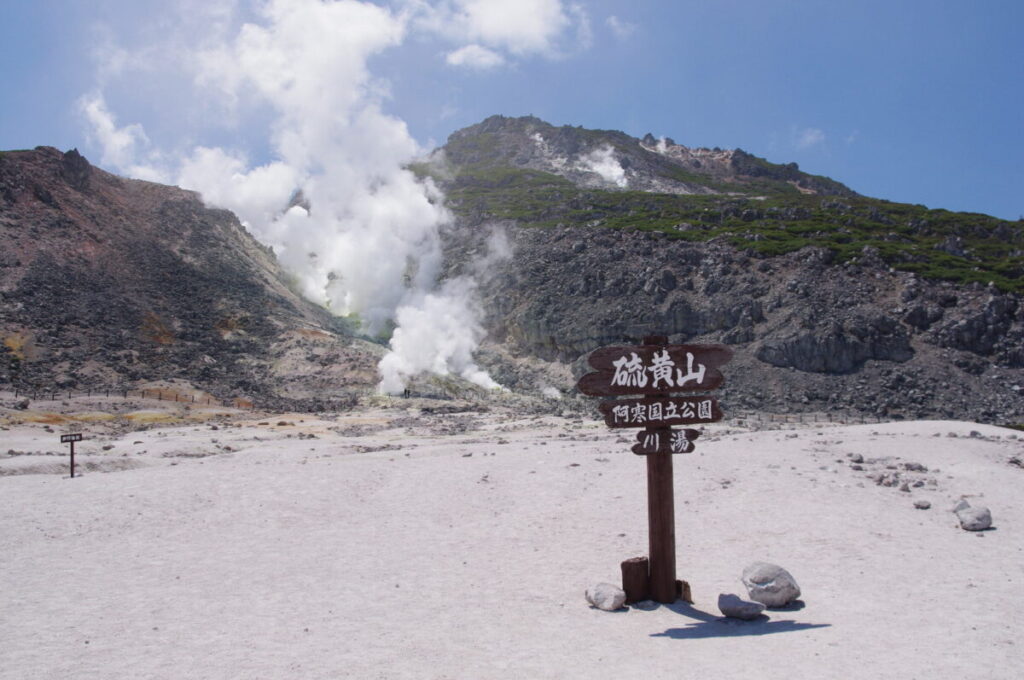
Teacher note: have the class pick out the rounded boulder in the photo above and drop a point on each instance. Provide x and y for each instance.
(770, 584)
(606, 596)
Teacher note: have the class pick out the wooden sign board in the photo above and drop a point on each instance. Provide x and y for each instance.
(667, 440)
(659, 412)
(654, 369)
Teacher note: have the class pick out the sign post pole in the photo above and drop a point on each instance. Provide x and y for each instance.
(661, 513)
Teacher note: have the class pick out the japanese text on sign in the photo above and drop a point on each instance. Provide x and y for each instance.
(631, 372)
(654, 441)
(662, 412)
(654, 370)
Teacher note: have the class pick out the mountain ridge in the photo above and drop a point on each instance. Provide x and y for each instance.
(527, 171)
(647, 164)
(831, 301)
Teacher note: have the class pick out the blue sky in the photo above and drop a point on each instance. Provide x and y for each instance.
(911, 101)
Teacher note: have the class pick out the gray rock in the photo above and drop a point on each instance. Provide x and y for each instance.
(738, 608)
(606, 596)
(22, 405)
(974, 518)
(770, 584)
(961, 504)
(838, 347)
(922, 504)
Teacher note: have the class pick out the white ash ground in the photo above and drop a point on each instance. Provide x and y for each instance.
(389, 542)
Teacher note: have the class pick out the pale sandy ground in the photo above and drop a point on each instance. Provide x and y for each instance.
(383, 549)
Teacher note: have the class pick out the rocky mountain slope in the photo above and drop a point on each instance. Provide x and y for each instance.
(830, 300)
(106, 281)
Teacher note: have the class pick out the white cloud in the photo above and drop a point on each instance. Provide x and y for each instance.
(584, 34)
(809, 137)
(120, 147)
(503, 28)
(521, 27)
(476, 57)
(620, 28)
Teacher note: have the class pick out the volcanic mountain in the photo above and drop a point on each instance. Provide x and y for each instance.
(832, 301)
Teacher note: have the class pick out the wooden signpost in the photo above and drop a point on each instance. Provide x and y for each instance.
(71, 439)
(656, 371)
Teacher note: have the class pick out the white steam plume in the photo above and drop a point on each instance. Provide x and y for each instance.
(438, 331)
(603, 162)
(369, 242)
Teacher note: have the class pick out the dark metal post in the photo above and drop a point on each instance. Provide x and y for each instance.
(72, 460)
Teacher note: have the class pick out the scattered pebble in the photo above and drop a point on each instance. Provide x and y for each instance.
(974, 518)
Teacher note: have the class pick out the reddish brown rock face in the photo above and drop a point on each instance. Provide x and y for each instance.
(107, 280)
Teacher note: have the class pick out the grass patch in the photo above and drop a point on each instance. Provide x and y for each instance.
(907, 237)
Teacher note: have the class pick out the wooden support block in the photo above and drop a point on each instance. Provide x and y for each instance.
(683, 592)
(636, 579)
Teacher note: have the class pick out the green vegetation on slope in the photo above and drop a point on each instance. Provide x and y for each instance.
(937, 244)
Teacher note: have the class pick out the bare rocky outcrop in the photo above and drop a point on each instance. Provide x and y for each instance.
(107, 281)
(812, 330)
(808, 335)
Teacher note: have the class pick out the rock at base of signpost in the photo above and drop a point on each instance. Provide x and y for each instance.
(770, 584)
(736, 607)
(973, 518)
(606, 596)
(683, 591)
